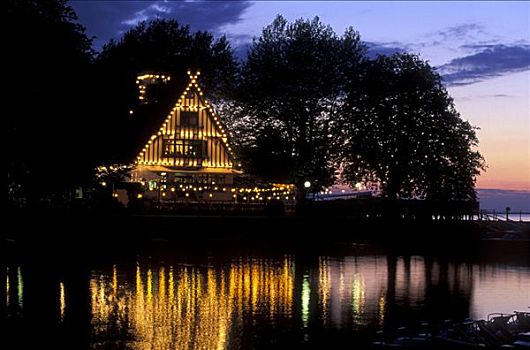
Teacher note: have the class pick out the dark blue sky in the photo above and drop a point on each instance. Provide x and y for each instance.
(470, 41)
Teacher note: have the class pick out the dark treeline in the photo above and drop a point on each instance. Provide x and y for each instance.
(305, 105)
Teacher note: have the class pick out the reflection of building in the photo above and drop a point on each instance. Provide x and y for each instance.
(190, 148)
(231, 303)
(182, 307)
(14, 287)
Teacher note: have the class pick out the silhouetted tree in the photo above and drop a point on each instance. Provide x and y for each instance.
(158, 46)
(47, 61)
(403, 132)
(285, 118)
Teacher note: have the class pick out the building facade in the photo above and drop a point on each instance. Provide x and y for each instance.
(190, 150)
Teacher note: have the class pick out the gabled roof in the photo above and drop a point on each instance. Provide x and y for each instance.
(168, 124)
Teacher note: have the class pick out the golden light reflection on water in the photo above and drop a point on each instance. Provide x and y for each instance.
(358, 295)
(350, 290)
(7, 287)
(182, 306)
(20, 288)
(62, 301)
(14, 291)
(324, 285)
(188, 307)
(381, 307)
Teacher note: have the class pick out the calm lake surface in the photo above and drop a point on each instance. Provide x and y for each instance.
(170, 298)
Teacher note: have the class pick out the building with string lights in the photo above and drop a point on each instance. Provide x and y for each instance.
(186, 154)
(190, 150)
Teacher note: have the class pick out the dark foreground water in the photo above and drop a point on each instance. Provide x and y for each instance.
(170, 298)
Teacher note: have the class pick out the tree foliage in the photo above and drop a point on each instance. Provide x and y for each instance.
(48, 59)
(402, 131)
(165, 45)
(288, 100)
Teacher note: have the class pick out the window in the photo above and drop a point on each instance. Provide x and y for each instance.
(201, 179)
(189, 119)
(212, 179)
(184, 148)
(152, 185)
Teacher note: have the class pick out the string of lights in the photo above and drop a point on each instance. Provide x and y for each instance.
(167, 130)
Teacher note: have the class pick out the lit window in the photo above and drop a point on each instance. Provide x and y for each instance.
(175, 148)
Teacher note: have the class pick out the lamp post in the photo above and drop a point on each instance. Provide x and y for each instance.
(307, 185)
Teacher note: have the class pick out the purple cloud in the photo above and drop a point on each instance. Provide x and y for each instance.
(491, 61)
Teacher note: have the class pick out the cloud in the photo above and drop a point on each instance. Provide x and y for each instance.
(466, 35)
(484, 60)
(387, 48)
(487, 97)
(463, 31)
(241, 44)
(490, 61)
(109, 19)
(152, 11)
(496, 96)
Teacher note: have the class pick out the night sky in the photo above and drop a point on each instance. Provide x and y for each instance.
(482, 49)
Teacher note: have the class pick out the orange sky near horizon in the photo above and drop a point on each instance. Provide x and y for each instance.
(500, 107)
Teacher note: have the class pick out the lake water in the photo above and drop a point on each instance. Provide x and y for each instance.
(165, 298)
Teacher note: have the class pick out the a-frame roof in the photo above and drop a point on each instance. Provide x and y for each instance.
(169, 124)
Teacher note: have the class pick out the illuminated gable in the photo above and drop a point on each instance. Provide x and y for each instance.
(191, 137)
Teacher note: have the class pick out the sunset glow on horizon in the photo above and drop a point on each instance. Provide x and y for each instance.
(497, 107)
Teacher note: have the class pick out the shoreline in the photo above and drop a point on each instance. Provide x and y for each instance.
(72, 235)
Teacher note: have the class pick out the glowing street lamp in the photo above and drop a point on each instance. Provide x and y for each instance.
(307, 184)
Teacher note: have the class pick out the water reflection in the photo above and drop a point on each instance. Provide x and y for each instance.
(349, 290)
(306, 296)
(505, 288)
(62, 300)
(14, 291)
(248, 301)
(188, 307)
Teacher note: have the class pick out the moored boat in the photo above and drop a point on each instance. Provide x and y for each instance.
(499, 331)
